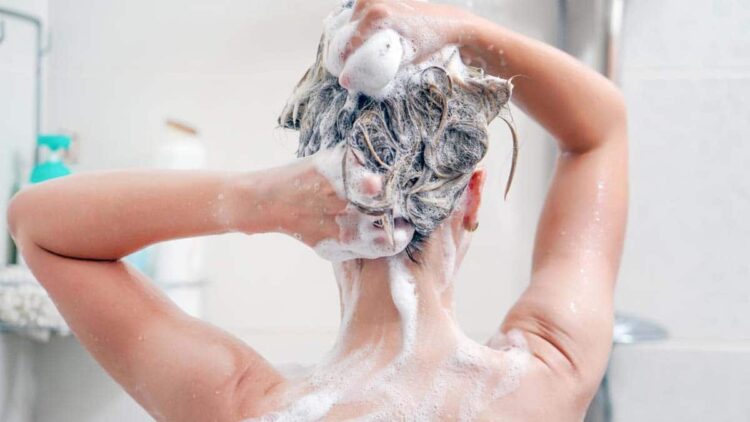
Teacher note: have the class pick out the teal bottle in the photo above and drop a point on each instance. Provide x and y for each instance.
(51, 150)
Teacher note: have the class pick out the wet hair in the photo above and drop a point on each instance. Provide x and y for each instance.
(426, 137)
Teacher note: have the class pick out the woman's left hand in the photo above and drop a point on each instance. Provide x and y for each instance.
(307, 200)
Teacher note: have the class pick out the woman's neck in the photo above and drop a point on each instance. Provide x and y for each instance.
(397, 306)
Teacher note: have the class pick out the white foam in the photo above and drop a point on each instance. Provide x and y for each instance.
(338, 38)
(472, 376)
(372, 68)
(404, 295)
(449, 253)
(358, 235)
(386, 59)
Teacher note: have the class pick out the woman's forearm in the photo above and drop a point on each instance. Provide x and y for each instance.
(578, 106)
(105, 216)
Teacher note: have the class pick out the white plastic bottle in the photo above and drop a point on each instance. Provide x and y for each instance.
(179, 265)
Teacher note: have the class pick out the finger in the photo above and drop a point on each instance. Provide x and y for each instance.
(361, 34)
(370, 18)
(372, 185)
(360, 6)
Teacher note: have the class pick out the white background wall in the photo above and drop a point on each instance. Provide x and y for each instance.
(687, 83)
(686, 78)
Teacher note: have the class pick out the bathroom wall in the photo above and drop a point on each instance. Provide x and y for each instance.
(686, 78)
(17, 53)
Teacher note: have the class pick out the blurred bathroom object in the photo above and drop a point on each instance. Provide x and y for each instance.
(40, 51)
(591, 30)
(52, 150)
(25, 307)
(10, 255)
(51, 153)
(627, 330)
(179, 265)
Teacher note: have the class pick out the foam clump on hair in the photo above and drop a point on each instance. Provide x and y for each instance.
(369, 70)
(422, 127)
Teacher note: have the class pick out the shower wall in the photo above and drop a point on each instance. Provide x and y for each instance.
(686, 78)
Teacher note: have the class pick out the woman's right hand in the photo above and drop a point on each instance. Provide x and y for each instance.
(428, 27)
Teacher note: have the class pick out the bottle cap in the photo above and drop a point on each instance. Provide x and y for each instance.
(54, 142)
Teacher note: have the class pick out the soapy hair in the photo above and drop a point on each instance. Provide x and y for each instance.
(425, 138)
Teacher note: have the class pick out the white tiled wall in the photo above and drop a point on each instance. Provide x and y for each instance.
(687, 83)
(686, 381)
(687, 258)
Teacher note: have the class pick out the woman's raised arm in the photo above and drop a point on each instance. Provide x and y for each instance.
(73, 231)
(567, 309)
(568, 306)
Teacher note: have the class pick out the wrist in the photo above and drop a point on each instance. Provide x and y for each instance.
(249, 203)
(481, 42)
(466, 33)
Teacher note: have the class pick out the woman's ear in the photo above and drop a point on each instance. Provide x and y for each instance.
(474, 199)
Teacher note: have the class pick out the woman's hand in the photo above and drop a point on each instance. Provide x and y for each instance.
(307, 200)
(428, 27)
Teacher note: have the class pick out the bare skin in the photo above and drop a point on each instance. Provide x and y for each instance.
(74, 231)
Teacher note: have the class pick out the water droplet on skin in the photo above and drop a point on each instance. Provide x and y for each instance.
(221, 197)
(297, 236)
(140, 338)
(297, 183)
(316, 187)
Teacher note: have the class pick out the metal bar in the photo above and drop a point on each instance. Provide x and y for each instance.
(616, 16)
(563, 20)
(2, 30)
(37, 24)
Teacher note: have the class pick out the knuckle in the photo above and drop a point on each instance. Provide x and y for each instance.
(363, 4)
(377, 12)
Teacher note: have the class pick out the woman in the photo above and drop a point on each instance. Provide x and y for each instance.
(397, 241)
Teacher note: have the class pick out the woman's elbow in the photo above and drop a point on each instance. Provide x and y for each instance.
(618, 110)
(20, 212)
(607, 126)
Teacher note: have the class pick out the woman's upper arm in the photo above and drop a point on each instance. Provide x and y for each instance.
(176, 367)
(568, 306)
